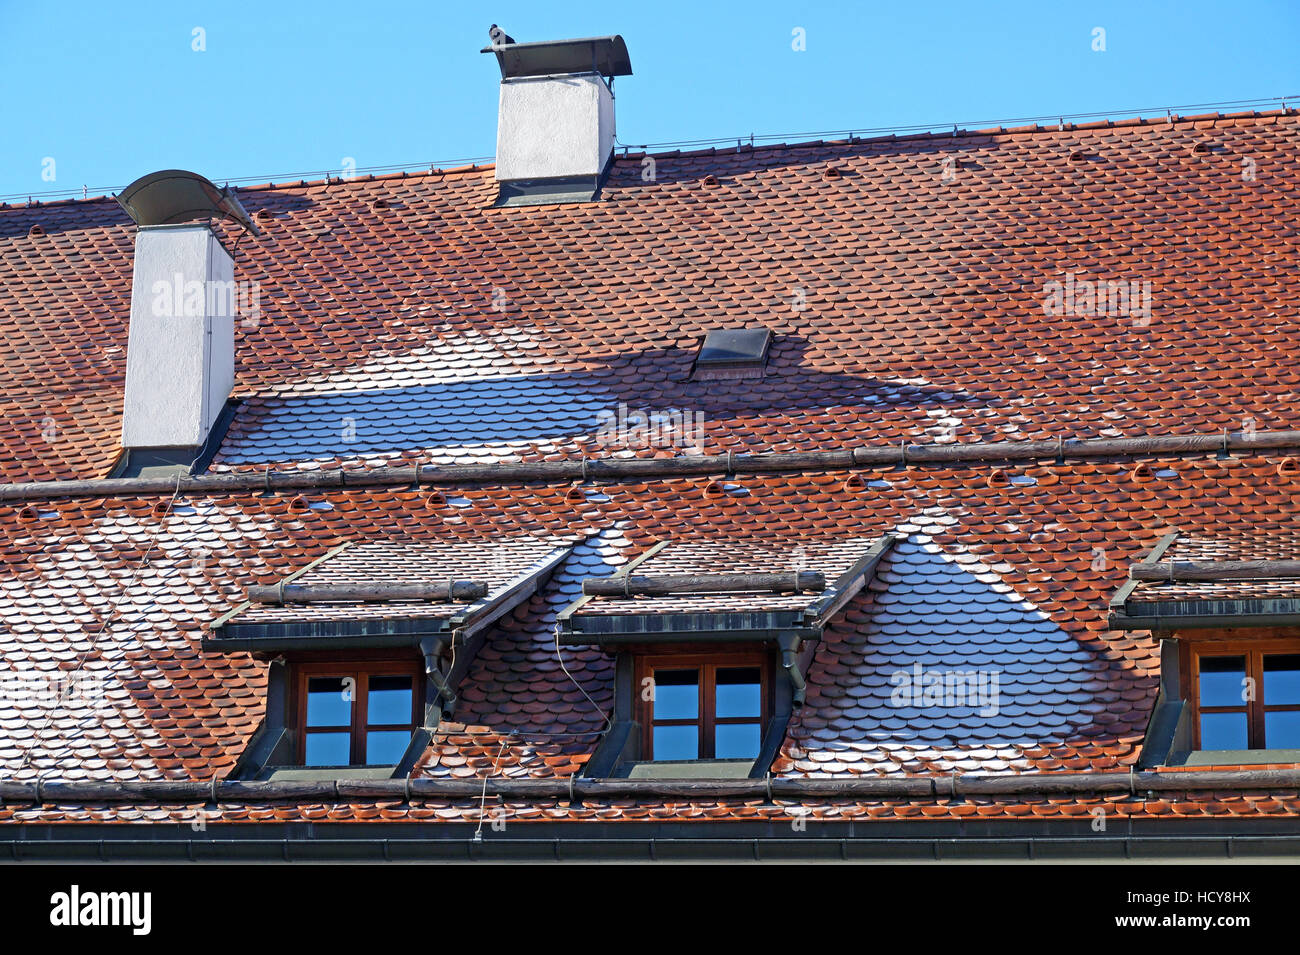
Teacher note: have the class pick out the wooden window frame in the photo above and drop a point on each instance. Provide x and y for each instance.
(1254, 652)
(362, 671)
(707, 664)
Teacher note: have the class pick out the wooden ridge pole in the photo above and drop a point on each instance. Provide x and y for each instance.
(57, 792)
(650, 468)
(638, 585)
(454, 590)
(1209, 571)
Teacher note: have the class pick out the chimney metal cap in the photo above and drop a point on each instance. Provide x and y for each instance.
(606, 55)
(175, 195)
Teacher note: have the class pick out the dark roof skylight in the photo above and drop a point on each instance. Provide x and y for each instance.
(729, 351)
(735, 346)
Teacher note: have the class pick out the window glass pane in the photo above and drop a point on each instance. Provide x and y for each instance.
(1281, 679)
(1221, 681)
(325, 703)
(1282, 730)
(677, 695)
(739, 693)
(1224, 731)
(676, 742)
(736, 740)
(389, 700)
(327, 749)
(385, 747)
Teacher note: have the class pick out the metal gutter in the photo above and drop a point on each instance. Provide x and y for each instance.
(1244, 607)
(599, 628)
(1245, 839)
(324, 635)
(587, 469)
(1199, 621)
(684, 633)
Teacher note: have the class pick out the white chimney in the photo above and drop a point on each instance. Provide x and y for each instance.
(180, 356)
(555, 129)
(554, 126)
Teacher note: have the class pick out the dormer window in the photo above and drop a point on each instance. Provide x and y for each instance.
(704, 707)
(362, 647)
(354, 715)
(1224, 610)
(1246, 697)
(713, 640)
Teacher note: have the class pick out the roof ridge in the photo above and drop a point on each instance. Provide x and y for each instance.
(957, 132)
(247, 187)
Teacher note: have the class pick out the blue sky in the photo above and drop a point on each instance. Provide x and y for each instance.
(112, 91)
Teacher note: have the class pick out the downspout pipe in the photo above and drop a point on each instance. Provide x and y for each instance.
(789, 644)
(433, 648)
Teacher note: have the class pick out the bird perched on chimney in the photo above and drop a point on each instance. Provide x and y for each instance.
(499, 36)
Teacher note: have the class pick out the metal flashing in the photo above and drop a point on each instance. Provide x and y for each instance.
(170, 462)
(730, 353)
(560, 190)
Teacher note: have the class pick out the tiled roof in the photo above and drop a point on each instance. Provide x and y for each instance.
(828, 557)
(535, 710)
(1039, 697)
(1261, 542)
(383, 339)
(497, 562)
(986, 577)
(405, 319)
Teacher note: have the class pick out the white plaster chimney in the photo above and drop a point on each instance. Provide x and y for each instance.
(555, 128)
(180, 350)
(180, 361)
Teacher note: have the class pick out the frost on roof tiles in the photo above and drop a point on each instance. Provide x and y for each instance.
(844, 564)
(924, 320)
(511, 567)
(897, 265)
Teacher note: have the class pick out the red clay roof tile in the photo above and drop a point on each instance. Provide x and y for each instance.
(921, 318)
